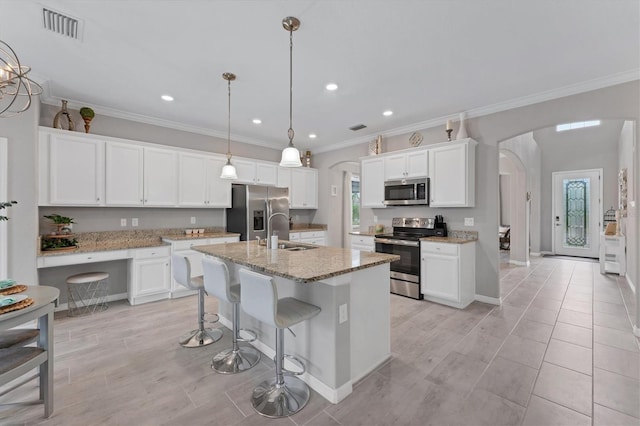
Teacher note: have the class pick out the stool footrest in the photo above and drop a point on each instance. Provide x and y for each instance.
(294, 359)
(206, 314)
(250, 332)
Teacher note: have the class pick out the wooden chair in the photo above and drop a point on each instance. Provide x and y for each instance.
(504, 237)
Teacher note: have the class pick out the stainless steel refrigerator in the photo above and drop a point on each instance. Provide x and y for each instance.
(251, 207)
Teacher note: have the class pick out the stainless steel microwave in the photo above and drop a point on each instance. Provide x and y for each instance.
(406, 192)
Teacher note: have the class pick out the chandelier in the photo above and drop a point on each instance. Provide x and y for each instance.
(16, 89)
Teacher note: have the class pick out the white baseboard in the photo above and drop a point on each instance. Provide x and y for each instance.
(518, 263)
(490, 300)
(330, 394)
(636, 331)
(546, 253)
(110, 298)
(535, 254)
(631, 284)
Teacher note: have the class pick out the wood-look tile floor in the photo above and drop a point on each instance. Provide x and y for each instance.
(559, 351)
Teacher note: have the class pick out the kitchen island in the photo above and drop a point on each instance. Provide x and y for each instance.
(351, 335)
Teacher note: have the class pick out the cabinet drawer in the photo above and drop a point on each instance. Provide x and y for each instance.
(187, 244)
(362, 240)
(76, 259)
(311, 235)
(294, 236)
(152, 252)
(223, 240)
(439, 248)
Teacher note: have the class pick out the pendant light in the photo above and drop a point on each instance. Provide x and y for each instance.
(228, 170)
(290, 155)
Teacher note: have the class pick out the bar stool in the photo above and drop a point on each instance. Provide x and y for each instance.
(217, 284)
(285, 395)
(181, 270)
(87, 293)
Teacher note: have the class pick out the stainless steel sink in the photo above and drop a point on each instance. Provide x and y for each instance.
(295, 247)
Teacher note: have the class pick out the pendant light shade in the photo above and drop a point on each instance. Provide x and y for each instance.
(228, 170)
(290, 155)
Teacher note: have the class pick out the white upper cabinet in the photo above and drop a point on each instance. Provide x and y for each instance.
(200, 183)
(452, 174)
(372, 182)
(406, 165)
(160, 177)
(124, 174)
(256, 173)
(74, 166)
(303, 192)
(140, 176)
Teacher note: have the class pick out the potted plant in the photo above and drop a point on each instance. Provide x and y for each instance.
(87, 115)
(4, 205)
(61, 239)
(61, 222)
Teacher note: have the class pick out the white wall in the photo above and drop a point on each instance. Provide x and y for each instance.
(21, 132)
(528, 151)
(580, 149)
(626, 151)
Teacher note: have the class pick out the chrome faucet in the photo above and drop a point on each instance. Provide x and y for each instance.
(269, 229)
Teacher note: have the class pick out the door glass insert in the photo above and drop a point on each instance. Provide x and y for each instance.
(576, 200)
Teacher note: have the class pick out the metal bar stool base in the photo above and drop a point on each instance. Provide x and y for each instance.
(199, 338)
(231, 362)
(272, 400)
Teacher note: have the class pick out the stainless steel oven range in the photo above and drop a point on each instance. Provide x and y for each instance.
(405, 242)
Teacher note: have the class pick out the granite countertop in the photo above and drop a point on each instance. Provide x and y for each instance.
(89, 242)
(364, 233)
(107, 246)
(180, 237)
(302, 266)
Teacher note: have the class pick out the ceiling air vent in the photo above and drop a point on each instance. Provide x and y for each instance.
(62, 24)
(357, 127)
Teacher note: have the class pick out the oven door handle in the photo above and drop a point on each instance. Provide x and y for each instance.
(397, 242)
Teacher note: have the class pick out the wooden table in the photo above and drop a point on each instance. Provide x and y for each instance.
(45, 300)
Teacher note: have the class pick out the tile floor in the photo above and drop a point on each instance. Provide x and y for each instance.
(559, 351)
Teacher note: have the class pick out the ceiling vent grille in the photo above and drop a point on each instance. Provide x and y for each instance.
(62, 24)
(357, 127)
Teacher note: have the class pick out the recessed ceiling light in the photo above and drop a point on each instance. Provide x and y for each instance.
(387, 113)
(312, 136)
(167, 98)
(331, 86)
(256, 121)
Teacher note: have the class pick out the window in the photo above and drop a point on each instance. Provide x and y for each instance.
(577, 125)
(355, 202)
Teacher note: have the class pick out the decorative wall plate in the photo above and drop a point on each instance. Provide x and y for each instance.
(415, 139)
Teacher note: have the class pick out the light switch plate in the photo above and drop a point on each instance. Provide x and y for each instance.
(193, 220)
(123, 221)
(468, 221)
(334, 190)
(134, 221)
(343, 313)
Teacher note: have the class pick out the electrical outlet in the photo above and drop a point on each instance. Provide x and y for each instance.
(375, 218)
(193, 220)
(123, 221)
(134, 221)
(468, 221)
(343, 313)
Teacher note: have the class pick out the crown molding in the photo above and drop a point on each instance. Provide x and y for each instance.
(48, 99)
(573, 89)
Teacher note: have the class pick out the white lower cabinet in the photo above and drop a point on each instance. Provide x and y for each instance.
(309, 237)
(149, 275)
(363, 243)
(184, 248)
(448, 273)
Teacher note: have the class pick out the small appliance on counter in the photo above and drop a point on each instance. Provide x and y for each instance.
(440, 227)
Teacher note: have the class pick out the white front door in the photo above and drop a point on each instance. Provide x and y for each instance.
(577, 212)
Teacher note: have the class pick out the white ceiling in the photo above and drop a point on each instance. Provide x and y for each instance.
(425, 60)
